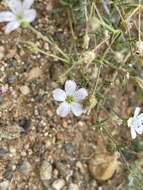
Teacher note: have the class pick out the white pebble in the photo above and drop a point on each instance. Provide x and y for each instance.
(58, 184)
(73, 186)
(24, 90)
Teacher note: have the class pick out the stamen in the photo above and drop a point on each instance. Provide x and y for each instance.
(69, 99)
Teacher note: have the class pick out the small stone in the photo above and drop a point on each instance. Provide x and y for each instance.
(24, 122)
(2, 68)
(4, 185)
(2, 52)
(58, 184)
(62, 168)
(11, 79)
(25, 90)
(12, 150)
(73, 186)
(12, 63)
(55, 173)
(69, 148)
(34, 73)
(3, 152)
(50, 113)
(23, 153)
(103, 166)
(46, 46)
(24, 167)
(46, 172)
(80, 166)
(8, 174)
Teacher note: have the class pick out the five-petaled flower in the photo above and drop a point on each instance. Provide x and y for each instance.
(21, 14)
(70, 99)
(136, 123)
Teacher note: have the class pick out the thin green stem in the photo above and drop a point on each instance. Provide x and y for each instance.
(45, 38)
(99, 71)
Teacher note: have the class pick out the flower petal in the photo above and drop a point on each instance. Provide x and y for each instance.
(29, 15)
(130, 120)
(77, 109)
(133, 133)
(59, 94)
(139, 130)
(137, 111)
(11, 26)
(27, 4)
(15, 6)
(140, 116)
(6, 16)
(80, 94)
(64, 109)
(70, 87)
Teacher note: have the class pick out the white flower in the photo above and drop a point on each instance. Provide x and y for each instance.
(136, 123)
(70, 99)
(21, 14)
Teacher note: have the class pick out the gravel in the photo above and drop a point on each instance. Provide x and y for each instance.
(73, 186)
(46, 172)
(58, 184)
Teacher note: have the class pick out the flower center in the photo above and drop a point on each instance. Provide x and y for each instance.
(24, 24)
(19, 16)
(69, 99)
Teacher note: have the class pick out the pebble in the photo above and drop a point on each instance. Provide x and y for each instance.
(58, 184)
(24, 167)
(34, 73)
(3, 152)
(11, 79)
(23, 153)
(80, 166)
(73, 186)
(46, 172)
(24, 122)
(8, 174)
(12, 63)
(69, 148)
(101, 170)
(46, 46)
(4, 185)
(2, 52)
(63, 168)
(25, 90)
(12, 150)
